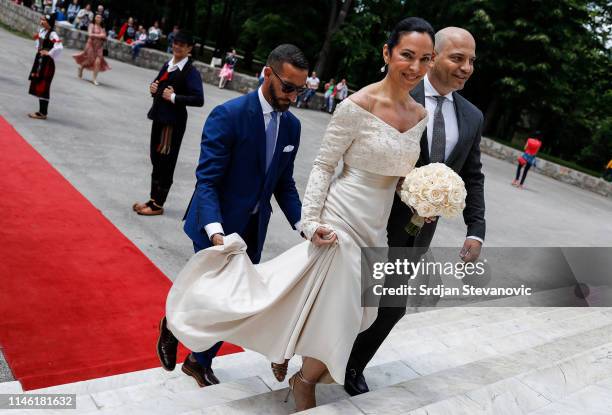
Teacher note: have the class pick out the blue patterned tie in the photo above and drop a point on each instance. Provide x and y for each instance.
(271, 139)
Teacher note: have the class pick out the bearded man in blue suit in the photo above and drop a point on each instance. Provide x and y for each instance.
(247, 154)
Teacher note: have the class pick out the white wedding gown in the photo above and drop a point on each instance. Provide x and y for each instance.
(306, 301)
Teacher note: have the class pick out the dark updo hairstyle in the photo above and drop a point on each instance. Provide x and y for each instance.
(407, 25)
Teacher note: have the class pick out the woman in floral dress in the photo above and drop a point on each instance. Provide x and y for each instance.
(92, 58)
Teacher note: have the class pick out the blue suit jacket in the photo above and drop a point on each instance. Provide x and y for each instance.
(231, 174)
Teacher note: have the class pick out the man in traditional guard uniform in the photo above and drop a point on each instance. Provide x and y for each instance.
(177, 86)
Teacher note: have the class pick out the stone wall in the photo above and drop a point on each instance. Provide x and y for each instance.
(556, 171)
(26, 21)
(18, 18)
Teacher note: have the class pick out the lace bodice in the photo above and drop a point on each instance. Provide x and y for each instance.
(363, 141)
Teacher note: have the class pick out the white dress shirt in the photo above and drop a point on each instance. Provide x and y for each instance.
(215, 227)
(451, 127)
(173, 67)
(57, 42)
(267, 114)
(450, 117)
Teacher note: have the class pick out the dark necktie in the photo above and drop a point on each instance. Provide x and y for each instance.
(438, 135)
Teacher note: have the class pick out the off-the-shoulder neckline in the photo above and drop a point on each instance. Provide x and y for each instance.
(384, 122)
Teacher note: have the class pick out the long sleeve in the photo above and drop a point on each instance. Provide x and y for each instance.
(286, 193)
(57, 45)
(471, 173)
(195, 92)
(215, 155)
(336, 141)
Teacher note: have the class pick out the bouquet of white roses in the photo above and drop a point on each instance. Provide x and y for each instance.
(432, 190)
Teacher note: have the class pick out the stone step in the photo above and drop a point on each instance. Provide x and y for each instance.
(401, 339)
(593, 400)
(178, 401)
(417, 392)
(227, 367)
(11, 387)
(532, 392)
(387, 374)
(84, 403)
(479, 316)
(273, 402)
(114, 391)
(87, 387)
(493, 322)
(145, 391)
(425, 317)
(414, 394)
(247, 364)
(182, 395)
(570, 376)
(486, 341)
(144, 384)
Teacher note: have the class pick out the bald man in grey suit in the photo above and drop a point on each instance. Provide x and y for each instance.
(452, 137)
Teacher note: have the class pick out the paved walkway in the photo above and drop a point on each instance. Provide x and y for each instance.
(97, 137)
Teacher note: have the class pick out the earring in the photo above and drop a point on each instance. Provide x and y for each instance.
(384, 68)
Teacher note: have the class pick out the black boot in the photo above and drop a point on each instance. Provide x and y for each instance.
(354, 382)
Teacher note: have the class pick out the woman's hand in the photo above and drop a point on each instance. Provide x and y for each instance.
(44, 52)
(400, 183)
(324, 236)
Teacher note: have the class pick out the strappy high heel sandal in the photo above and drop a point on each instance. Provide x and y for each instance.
(280, 370)
(301, 402)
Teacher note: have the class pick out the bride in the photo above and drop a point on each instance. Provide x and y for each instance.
(307, 301)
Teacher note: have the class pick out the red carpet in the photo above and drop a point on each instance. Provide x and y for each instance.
(77, 299)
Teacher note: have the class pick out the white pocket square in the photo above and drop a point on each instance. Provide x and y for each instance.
(288, 149)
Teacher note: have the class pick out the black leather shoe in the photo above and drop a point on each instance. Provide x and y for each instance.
(203, 375)
(166, 346)
(354, 383)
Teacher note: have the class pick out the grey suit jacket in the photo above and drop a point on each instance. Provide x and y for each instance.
(465, 160)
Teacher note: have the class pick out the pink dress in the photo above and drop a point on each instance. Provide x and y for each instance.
(93, 49)
(227, 71)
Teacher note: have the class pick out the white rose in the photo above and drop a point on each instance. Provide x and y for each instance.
(437, 196)
(426, 210)
(434, 190)
(456, 196)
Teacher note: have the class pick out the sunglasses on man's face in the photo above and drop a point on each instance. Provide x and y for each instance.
(288, 87)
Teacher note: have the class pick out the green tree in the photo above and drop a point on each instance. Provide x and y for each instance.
(542, 64)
